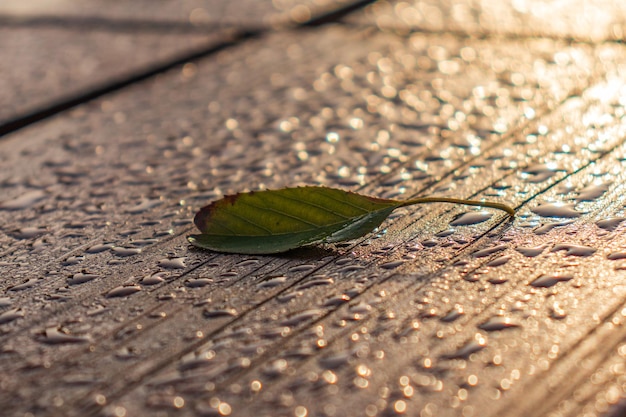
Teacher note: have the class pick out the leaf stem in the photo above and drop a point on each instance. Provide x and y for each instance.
(510, 210)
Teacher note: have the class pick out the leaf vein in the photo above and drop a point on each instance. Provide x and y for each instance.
(308, 203)
(265, 229)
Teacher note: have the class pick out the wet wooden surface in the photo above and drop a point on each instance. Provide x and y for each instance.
(106, 310)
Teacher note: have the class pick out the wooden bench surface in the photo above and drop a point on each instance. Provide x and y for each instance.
(113, 136)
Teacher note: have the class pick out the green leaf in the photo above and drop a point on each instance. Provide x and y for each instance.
(275, 221)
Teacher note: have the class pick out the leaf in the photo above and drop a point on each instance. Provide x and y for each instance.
(274, 221)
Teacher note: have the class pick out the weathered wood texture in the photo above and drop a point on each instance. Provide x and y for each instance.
(106, 310)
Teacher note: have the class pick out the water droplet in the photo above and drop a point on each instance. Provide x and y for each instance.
(144, 206)
(73, 260)
(124, 252)
(23, 201)
(539, 172)
(392, 264)
(445, 233)
(314, 282)
(454, 314)
(557, 312)
(500, 260)
(99, 248)
(473, 346)
(54, 335)
(81, 278)
(273, 282)
(574, 250)
(498, 323)
(546, 281)
(288, 296)
(275, 368)
(556, 210)
(196, 360)
(247, 262)
(472, 217)
(301, 268)
(546, 228)
(335, 361)
(153, 279)
(614, 256)
(25, 285)
(10, 315)
(223, 312)
(144, 242)
(28, 232)
(123, 291)
(302, 317)
(336, 301)
(488, 251)
(610, 224)
(592, 192)
(5, 302)
(198, 282)
(172, 263)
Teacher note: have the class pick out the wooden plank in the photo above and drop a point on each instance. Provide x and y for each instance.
(329, 331)
(581, 20)
(42, 67)
(191, 13)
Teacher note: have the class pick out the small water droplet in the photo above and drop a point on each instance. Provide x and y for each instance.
(172, 263)
(574, 250)
(123, 291)
(73, 260)
(315, 281)
(610, 224)
(99, 248)
(499, 323)
(302, 317)
(473, 346)
(124, 252)
(25, 285)
(531, 252)
(198, 282)
(81, 278)
(500, 260)
(273, 282)
(54, 335)
(546, 228)
(301, 268)
(153, 279)
(592, 192)
(144, 206)
(336, 301)
(220, 312)
(546, 281)
(539, 172)
(392, 264)
(28, 232)
(445, 233)
(23, 201)
(10, 315)
(557, 312)
(489, 251)
(247, 262)
(453, 314)
(556, 210)
(335, 361)
(614, 256)
(144, 242)
(196, 360)
(472, 217)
